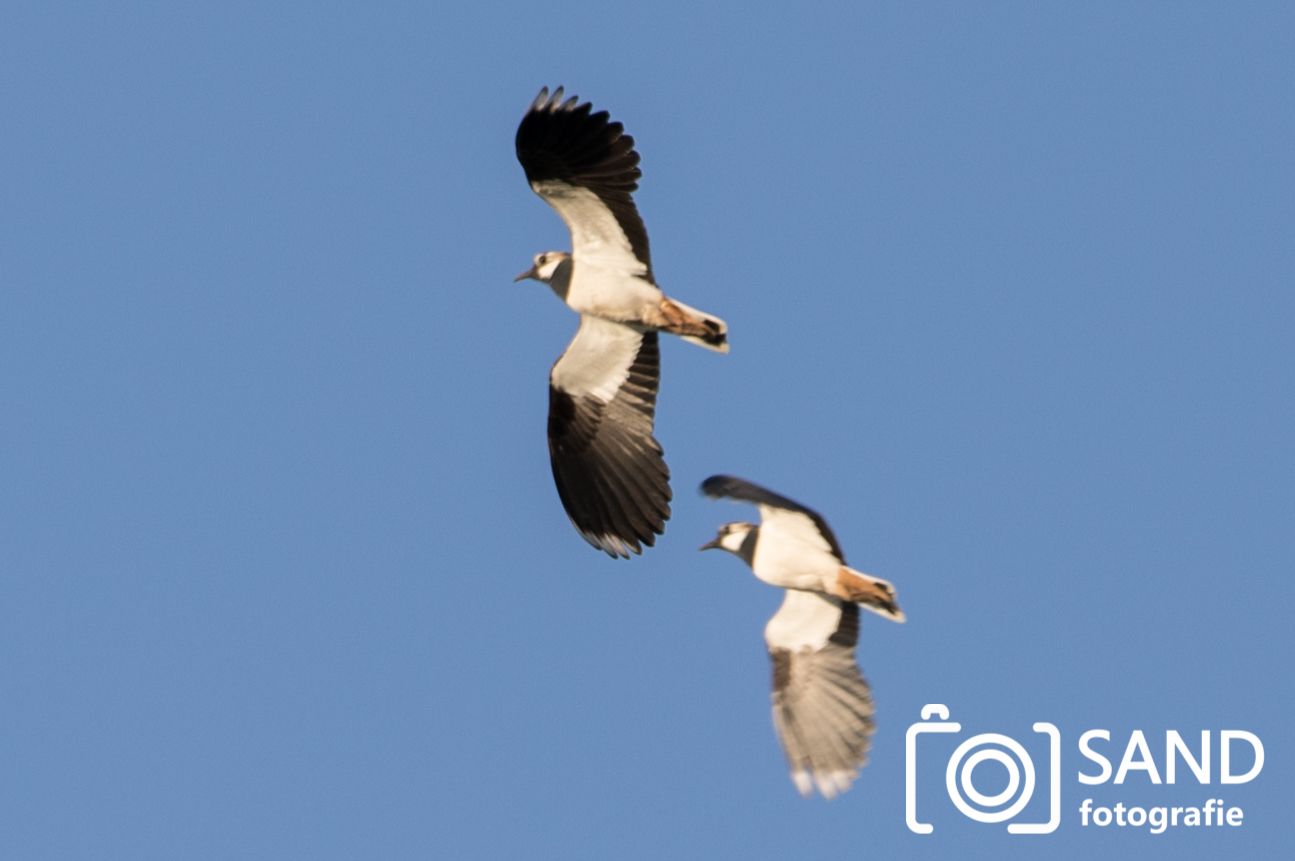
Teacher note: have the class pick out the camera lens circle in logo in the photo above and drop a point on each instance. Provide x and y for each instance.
(958, 777)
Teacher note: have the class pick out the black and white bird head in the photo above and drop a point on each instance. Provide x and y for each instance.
(737, 538)
(545, 266)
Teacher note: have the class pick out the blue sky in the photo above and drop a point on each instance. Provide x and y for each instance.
(282, 569)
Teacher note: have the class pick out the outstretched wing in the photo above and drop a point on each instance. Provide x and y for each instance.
(822, 706)
(610, 472)
(778, 514)
(585, 167)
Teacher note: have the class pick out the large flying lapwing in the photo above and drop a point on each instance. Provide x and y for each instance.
(609, 469)
(822, 706)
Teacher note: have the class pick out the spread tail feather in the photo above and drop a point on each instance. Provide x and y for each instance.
(869, 592)
(702, 329)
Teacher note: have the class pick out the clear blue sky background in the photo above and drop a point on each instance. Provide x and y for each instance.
(282, 570)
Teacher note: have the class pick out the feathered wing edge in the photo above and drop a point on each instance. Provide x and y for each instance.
(822, 705)
(609, 469)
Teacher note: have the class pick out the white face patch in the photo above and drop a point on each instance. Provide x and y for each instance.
(734, 535)
(547, 263)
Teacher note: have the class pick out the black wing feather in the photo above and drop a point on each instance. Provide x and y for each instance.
(823, 709)
(610, 471)
(568, 142)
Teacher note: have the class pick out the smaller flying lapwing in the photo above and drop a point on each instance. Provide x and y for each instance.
(822, 706)
(610, 471)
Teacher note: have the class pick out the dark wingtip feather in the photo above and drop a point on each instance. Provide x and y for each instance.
(563, 139)
(719, 486)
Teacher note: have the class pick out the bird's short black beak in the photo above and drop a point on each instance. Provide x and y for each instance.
(522, 276)
(713, 544)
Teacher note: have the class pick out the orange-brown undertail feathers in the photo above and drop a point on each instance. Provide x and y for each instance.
(869, 592)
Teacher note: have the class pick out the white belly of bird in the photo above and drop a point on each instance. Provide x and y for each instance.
(611, 294)
(794, 565)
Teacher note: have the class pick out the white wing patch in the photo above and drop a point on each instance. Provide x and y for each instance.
(596, 236)
(822, 707)
(804, 621)
(597, 361)
(792, 527)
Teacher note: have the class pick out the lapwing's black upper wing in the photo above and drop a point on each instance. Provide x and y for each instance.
(778, 514)
(822, 706)
(610, 471)
(585, 167)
